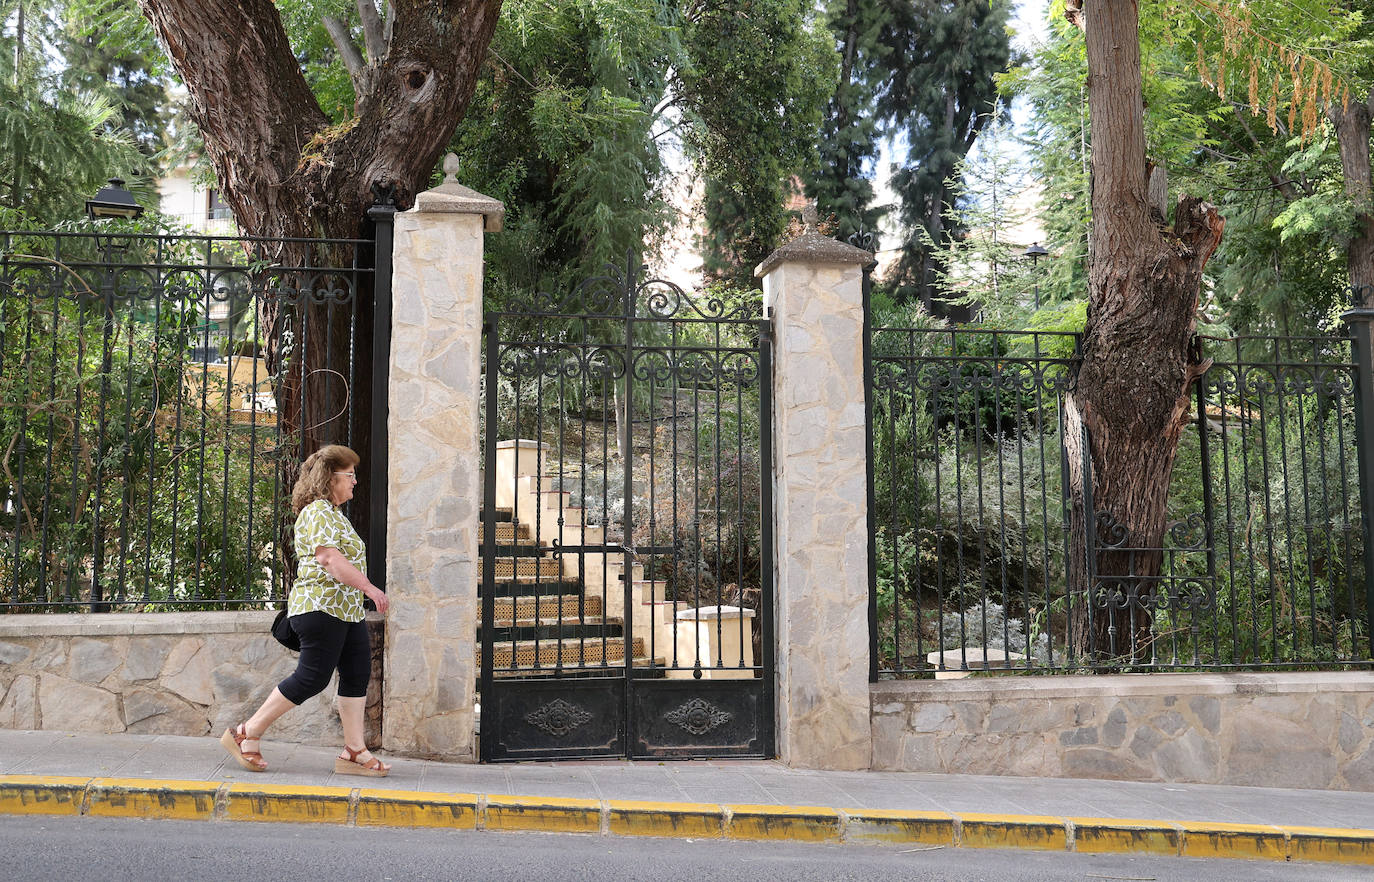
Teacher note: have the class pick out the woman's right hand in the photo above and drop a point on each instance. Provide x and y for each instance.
(378, 598)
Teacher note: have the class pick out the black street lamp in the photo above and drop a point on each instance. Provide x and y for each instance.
(110, 202)
(113, 201)
(1035, 252)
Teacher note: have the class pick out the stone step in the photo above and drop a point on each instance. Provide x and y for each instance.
(547, 607)
(522, 548)
(528, 568)
(502, 515)
(528, 586)
(566, 630)
(508, 532)
(645, 668)
(569, 653)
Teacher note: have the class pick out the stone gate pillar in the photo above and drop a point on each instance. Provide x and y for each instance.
(434, 493)
(812, 288)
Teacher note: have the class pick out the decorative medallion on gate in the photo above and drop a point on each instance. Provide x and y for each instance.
(557, 718)
(698, 716)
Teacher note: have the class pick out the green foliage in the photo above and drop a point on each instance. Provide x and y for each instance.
(57, 144)
(842, 181)
(984, 269)
(560, 129)
(940, 91)
(757, 77)
(1281, 264)
(110, 50)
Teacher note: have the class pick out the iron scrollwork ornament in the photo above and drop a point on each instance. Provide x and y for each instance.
(557, 718)
(698, 716)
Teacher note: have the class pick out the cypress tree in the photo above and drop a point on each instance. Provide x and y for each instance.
(842, 182)
(939, 92)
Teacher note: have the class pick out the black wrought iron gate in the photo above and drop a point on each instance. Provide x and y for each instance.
(626, 540)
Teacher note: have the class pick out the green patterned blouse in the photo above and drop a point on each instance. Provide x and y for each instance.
(321, 524)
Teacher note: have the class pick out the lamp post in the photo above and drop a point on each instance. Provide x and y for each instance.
(110, 202)
(113, 201)
(1035, 252)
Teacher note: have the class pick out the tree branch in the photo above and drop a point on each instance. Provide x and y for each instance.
(248, 97)
(348, 51)
(1284, 185)
(374, 38)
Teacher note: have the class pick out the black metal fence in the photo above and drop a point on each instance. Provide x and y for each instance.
(1263, 564)
(143, 432)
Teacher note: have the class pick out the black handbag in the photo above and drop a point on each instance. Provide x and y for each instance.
(285, 634)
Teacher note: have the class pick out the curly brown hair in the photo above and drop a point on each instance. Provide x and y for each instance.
(318, 471)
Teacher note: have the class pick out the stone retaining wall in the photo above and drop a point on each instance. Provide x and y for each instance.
(1301, 730)
(161, 673)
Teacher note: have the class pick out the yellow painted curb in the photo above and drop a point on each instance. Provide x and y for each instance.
(889, 825)
(1037, 832)
(151, 798)
(1234, 841)
(694, 820)
(290, 805)
(1330, 845)
(1125, 836)
(786, 822)
(542, 813)
(41, 795)
(155, 798)
(410, 808)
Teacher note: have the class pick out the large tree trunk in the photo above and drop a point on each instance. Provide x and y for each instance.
(1353, 122)
(288, 173)
(1130, 397)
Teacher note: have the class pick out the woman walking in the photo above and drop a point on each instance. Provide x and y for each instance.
(326, 611)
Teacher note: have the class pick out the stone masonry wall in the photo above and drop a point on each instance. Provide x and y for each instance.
(1300, 730)
(159, 673)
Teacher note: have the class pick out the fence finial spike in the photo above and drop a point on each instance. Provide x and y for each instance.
(451, 169)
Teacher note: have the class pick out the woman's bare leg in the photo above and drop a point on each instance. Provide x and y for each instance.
(271, 709)
(351, 715)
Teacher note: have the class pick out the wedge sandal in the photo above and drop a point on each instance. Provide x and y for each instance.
(233, 739)
(352, 765)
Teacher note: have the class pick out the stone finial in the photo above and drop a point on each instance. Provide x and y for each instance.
(451, 197)
(812, 247)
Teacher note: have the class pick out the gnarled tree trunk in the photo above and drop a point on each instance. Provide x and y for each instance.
(1353, 122)
(288, 173)
(1128, 404)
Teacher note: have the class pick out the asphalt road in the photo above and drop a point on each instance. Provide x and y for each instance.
(115, 850)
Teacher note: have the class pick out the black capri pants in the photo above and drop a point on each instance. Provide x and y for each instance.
(328, 643)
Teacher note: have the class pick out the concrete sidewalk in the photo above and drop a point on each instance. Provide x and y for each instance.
(169, 776)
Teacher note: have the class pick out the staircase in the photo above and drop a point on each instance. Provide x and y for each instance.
(565, 615)
(547, 623)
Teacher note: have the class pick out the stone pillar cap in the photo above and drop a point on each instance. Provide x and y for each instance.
(812, 247)
(451, 197)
